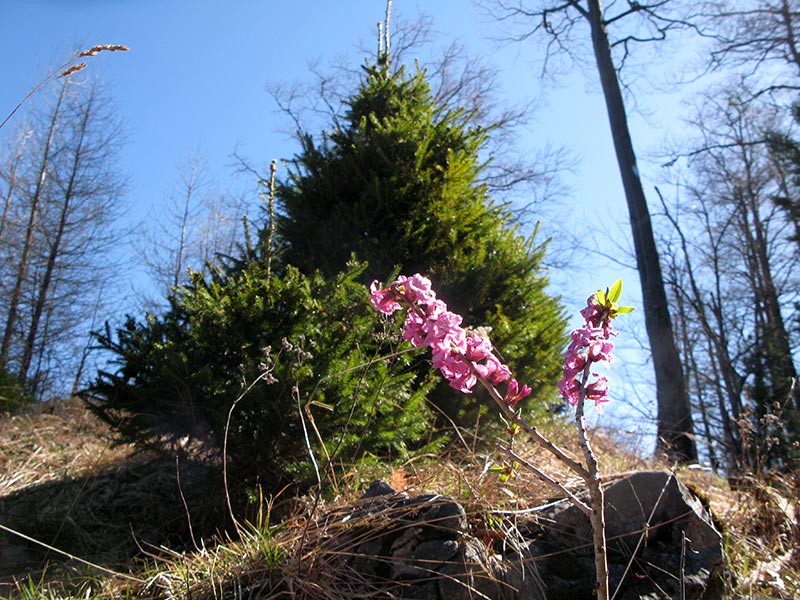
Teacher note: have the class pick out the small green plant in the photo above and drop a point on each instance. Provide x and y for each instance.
(12, 394)
(65, 587)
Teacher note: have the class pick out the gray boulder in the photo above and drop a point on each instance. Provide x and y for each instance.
(421, 548)
(662, 543)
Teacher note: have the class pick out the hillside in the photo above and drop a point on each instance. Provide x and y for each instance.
(66, 481)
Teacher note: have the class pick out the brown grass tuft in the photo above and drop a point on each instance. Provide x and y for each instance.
(73, 69)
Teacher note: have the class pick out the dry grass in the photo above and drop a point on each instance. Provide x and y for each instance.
(66, 482)
(298, 552)
(53, 441)
(763, 536)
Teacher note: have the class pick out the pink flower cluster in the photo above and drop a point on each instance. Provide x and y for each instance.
(591, 343)
(460, 356)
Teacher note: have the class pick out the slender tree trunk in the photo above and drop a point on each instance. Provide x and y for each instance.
(55, 246)
(793, 54)
(776, 373)
(731, 443)
(191, 184)
(36, 199)
(687, 345)
(782, 367)
(90, 343)
(675, 426)
(12, 183)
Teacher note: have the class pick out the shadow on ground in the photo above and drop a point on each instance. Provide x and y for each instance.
(110, 517)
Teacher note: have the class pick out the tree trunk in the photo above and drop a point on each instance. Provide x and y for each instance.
(54, 252)
(688, 347)
(22, 268)
(11, 183)
(675, 426)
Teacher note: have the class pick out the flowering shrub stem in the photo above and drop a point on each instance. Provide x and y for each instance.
(466, 359)
(597, 515)
(514, 418)
(580, 504)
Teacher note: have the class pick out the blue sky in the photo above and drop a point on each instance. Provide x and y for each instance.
(194, 82)
(195, 77)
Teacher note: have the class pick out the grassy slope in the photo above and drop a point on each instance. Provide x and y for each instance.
(65, 481)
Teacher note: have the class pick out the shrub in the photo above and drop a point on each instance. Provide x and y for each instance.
(397, 182)
(328, 364)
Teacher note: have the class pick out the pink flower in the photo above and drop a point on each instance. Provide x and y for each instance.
(384, 300)
(445, 329)
(417, 289)
(574, 364)
(591, 343)
(493, 370)
(464, 359)
(593, 312)
(600, 350)
(463, 382)
(456, 369)
(596, 315)
(478, 348)
(597, 390)
(434, 309)
(514, 394)
(571, 390)
(583, 335)
(413, 329)
(461, 357)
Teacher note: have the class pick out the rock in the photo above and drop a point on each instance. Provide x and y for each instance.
(420, 548)
(661, 539)
(476, 574)
(662, 543)
(377, 489)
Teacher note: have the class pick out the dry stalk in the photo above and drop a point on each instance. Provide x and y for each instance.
(65, 70)
(273, 168)
(264, 375)
(595, 510)
(597, 515)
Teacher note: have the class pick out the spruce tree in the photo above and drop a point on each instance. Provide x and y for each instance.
(397, 184)
(306, 356)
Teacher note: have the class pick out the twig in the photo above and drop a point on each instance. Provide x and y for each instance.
(296, 394)
(532, 432)
(580, 504)
(642, 537)
(597, 516)
(273, 167)
(236, 524)
(683, 565)
(185, 503)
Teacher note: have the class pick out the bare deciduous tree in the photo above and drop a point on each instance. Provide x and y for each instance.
(194, 227)
(560, 22)
(33, 207)
(737, 273)
(759, 38)
(62, 199)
